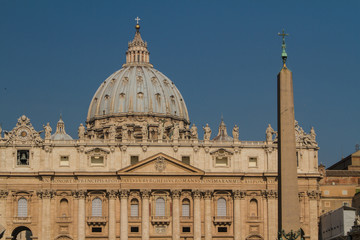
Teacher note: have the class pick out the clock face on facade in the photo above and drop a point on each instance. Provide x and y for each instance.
(23, 133)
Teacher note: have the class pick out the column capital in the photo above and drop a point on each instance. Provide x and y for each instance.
(4, 194)
(112, 194)
(238, 194)
(80, 194)
(124, 193)
(175, 193)
(45, 193)
(270, 194)
(145, 193)
(313, 195)
(208, 194)
(197, 193)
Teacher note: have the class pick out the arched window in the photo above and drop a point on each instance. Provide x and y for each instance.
(253, 208)
(22, 207)
(186, 208)
(64, 208)
(96, 207)
(134, 211)
(221, 207)
(160, 207)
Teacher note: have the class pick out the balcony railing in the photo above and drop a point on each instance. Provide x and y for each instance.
(96, 220)
(186, 218)
(63, 219)
(160, 220)
(21, 220)
(222, 220)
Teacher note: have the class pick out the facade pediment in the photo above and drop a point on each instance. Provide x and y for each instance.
(160, 164)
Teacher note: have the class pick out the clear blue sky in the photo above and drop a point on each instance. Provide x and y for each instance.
(222, 55)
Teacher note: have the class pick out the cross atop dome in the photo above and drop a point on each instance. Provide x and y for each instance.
(283, 54)
(137, 53)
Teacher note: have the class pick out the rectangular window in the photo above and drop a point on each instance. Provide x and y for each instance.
(134, 229)
(64, 161)
(134, 160)
(96, 229)
(97, 160)
(344, 192)
(134, 211)
(185, 159)
(23, 157)
(326, 192)
(346, 204)
(222, 229)
(186, 229)
(253, 162)
(327, 204)
(186, 210)
(221, 161)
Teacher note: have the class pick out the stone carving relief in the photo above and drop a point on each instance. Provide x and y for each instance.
(160, 164)
(23, 132)
(238, 194)
(4, 193)
(46, 193)
(303, 138)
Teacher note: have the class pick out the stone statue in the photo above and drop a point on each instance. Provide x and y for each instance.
(194, 132)
(357, 220)
(235, 132)
(48, 130)
(124, 132)
(176, 134)
(207, 132)
(144, 131)
(269, 133)
(112, 132)
(187, 132)
(161, 130)
(313, 134)
(81, 131)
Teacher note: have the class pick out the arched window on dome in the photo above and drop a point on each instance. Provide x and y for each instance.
(22, 207)
(134, 208)
(160, 207)
(221, 207)
(106, 104)
(173, 105)
(96, 207)
(158, 102)
(122, 103)
(186, 207)
(140, 102)
(253, 208)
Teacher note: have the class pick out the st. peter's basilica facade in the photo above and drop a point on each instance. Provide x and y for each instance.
(138, 170)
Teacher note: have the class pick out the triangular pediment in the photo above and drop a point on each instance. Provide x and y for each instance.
(160, 164)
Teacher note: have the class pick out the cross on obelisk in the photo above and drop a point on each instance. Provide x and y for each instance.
(283, 46)
(137, 19)
(288, 202)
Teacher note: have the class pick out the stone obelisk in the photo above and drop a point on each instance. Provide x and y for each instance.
(289, 207)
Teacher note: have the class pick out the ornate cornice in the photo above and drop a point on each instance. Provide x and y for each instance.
(270, 194)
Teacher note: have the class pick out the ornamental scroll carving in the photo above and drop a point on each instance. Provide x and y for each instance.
(313, 195)
(270, 194)
(23, 132)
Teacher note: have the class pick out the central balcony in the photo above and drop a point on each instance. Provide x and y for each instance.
(222, 220)
(63, 220)
(96, 221)
(160, 220)
(21, 220)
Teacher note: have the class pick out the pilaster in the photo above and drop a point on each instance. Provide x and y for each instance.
(197, 214)
(176, 214)
(124, 194)
(208, 216)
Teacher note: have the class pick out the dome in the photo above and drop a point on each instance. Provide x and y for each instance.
(60, 134)
(137, 89)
